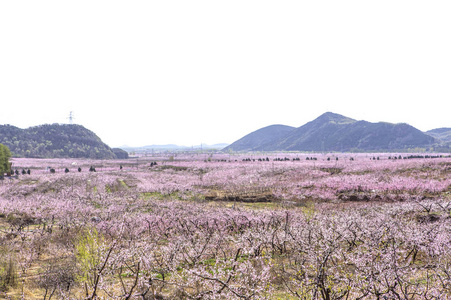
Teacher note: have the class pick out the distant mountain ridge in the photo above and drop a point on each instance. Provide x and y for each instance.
(173, 147)
(54, 141)
(334, 132)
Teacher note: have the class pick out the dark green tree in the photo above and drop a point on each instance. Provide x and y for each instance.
(5, 155)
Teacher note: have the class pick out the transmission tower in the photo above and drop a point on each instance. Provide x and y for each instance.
(71, 117)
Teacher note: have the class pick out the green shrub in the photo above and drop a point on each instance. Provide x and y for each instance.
(88, 254)
(8, 272)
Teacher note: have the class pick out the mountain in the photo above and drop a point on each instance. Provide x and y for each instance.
(334, 132)
(261, 138)
(54, 140)
(442, 134)
(321, 133)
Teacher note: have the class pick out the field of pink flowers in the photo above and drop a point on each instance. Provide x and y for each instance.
(220, 226)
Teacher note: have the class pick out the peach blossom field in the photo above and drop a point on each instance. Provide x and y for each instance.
(228, 226)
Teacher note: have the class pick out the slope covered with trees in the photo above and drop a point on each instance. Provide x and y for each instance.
(443, 134)
(54, 141)
(259, 138)
(334, 132)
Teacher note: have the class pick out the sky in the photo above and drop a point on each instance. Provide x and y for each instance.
(190, 72)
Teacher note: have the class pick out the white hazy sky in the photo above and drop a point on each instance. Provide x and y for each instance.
(191, 72)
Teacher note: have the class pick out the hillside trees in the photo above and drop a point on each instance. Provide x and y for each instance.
(5, 155)
(54, 141)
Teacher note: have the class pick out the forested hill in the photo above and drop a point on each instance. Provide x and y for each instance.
(443, 134)
(260, 138)
(334, 132)
(53, 141)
